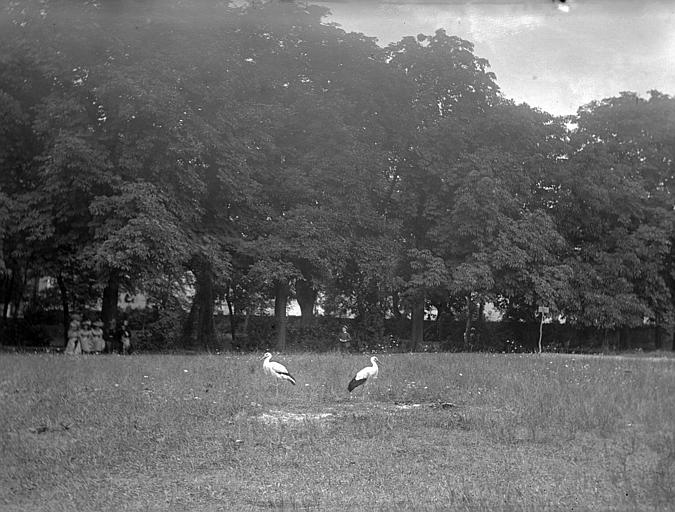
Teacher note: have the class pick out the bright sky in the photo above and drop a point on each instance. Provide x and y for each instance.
(545, 56)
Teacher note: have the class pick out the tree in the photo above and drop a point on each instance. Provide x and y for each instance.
(465, 184)
(449, 84)
(616, 211)
(317, 172)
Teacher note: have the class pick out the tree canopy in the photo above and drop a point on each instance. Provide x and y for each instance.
(255, 153)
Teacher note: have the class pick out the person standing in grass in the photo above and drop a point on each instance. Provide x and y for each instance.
(74, 346)
(97, 341)
(125, 338)
(345, 340)
(86, 337)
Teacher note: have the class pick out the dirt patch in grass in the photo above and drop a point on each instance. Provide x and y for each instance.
(347, 407)
(274, 417)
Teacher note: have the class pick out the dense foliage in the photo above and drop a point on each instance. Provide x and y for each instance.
(211, 155)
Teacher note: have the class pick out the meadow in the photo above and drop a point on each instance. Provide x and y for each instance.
(434, 432)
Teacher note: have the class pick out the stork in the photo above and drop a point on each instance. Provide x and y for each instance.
(276, 370)
(369, 372)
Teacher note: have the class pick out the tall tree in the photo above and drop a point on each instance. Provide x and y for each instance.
(616, 210)
(315, 161)
(466, 184)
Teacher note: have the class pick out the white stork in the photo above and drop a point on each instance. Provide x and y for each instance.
(276, 370)
(369, 372)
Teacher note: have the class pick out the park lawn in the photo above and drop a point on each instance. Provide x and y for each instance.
(435, 432)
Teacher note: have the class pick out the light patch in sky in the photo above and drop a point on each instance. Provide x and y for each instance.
(542, 55)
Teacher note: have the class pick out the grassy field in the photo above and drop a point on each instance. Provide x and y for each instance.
(436, 432)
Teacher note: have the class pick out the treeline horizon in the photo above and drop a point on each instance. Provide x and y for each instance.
(256, 154)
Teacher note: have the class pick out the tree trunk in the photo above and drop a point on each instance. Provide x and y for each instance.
(9, 289)
(64, 304)
(401, 324)
(280, 301)
(605, 341)
(187, 338)
(438, 323)
(467, 326)
(481, 324)
(417, 321)
(199, 330)
(306, 295)
(17, 299)
(36, 292)
(442, 317)
(658, 334)
(109, 306)
(396, 305)
(233, 316)
(206, 329)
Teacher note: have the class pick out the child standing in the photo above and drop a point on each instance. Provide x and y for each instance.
(86, 341)
(74, 346)
(125, 338)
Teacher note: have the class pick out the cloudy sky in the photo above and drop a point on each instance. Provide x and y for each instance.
(541, 54)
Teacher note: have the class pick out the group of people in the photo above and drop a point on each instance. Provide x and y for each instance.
(85, 337)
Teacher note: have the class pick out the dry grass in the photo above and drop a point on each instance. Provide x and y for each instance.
(436, 432)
